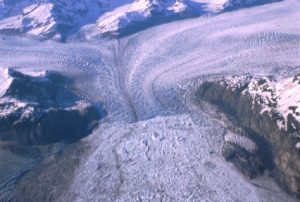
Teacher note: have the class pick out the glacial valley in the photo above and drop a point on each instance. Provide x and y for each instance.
(156, 139)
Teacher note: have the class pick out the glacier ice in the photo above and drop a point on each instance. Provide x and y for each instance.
(146, 81)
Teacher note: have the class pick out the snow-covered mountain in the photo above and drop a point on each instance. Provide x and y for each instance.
(141, 12)
(47, 19)
(60, 18)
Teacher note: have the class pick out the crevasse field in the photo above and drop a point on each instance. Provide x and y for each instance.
(156, 143)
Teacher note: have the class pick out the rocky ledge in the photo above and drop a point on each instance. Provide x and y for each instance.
(268, 112)
(41, 108)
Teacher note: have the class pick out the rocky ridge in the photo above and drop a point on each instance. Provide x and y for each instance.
(267, 110)
(41, 108)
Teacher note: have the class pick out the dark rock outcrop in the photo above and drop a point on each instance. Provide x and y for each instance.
(43, 109)
(50, 178)
(277, 150)
(16, 160)
(250, 164)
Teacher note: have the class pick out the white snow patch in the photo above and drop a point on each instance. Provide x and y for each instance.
(263, 93)
(288, 92)
(242, 141)
(214, 6)
(15, 105)
(5, 81)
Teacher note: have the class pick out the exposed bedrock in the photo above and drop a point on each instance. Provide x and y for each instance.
(41, 108)
(267, 111)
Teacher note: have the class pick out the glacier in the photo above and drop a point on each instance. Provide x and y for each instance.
(156, 143)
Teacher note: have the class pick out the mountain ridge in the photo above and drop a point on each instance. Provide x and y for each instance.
(59, 19)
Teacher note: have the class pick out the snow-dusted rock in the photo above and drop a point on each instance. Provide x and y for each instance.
(40, 108)
(134, 15)
(279, 99)
(268, 111)
(142, 13)
(47, 19)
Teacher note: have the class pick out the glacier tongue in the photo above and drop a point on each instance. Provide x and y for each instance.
(170, 158)
(175, 158)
